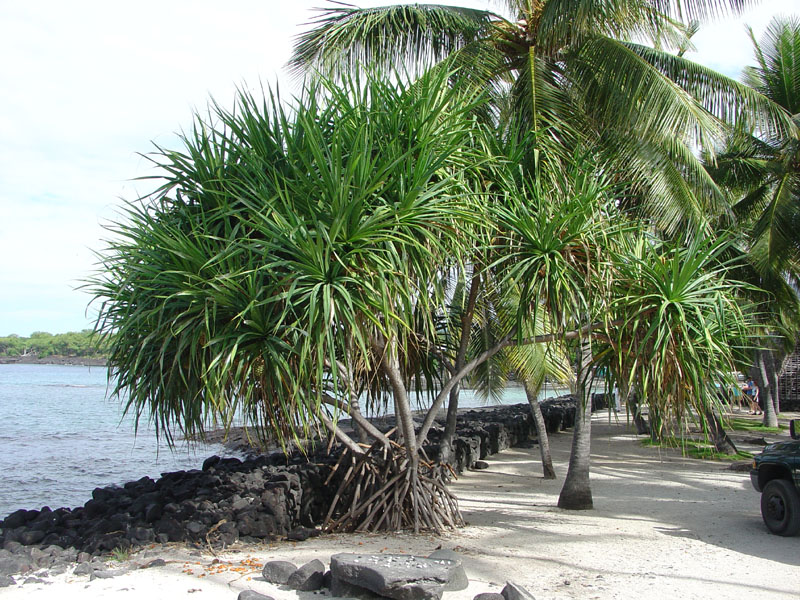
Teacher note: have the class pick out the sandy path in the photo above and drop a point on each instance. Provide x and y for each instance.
(663, 527)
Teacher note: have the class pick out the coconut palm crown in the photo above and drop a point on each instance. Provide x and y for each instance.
(576, 69)
(762, 169)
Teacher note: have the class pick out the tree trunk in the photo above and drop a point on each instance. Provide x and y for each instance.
(548, 471)
(353, 404)
(446, 443)
(765, 388)
(635, 407)
(361, 433)
(405, 422)
(722, 443)
(577, 493)
(775, 359)
(778, 356)
(340, 435)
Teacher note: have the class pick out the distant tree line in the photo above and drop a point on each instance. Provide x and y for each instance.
(40, 343)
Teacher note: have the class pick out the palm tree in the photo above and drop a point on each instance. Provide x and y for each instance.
(762, 171)
(569, 69)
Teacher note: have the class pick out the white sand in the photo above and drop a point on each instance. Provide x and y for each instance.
(663, 527)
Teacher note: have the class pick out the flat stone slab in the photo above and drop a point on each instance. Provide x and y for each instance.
(512, 591)
(252, 595)
(397, 576)
(458, 580)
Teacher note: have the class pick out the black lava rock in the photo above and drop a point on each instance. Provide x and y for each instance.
(307, 578)
(278, 571)
(230, 500)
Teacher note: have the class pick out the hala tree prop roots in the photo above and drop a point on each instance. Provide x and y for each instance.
(381, 490)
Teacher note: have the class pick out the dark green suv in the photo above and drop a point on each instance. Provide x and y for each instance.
(776, 474)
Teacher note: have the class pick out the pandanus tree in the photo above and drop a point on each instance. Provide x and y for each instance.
(559, 234)
(682, 324)
(761, 170)
(579, 74)
(669, 319)
(484, 304)
(286, 270)
(290, 266)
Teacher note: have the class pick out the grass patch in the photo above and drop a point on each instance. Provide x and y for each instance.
(120, 554)
(742, 424)
(695, 449)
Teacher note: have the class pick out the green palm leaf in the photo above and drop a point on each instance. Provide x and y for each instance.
(345, 37)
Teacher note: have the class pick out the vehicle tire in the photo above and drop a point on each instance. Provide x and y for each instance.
(780, 507)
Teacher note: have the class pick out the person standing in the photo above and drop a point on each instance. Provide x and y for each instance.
(751, 391)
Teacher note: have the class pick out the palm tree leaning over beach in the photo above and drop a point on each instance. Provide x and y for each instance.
(570, 70)
(762, 172)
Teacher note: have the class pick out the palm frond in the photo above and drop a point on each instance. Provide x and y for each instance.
(777, 75)
(725, 98)
(344, 38)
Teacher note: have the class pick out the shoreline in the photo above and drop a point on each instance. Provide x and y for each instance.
(142, 504)
(55, 359)
(663, 526)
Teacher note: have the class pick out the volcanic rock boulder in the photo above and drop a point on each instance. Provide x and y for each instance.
(307, 578)
(278, 571)
(391, 575)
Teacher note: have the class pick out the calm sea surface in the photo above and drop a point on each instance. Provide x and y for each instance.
(60, 437)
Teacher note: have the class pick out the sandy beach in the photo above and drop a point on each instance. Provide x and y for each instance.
(663, 526)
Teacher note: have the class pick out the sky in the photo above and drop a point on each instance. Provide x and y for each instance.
(89, 86)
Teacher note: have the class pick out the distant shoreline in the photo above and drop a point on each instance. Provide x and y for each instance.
(83, 361)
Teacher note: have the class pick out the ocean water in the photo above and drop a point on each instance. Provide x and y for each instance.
(60, 437)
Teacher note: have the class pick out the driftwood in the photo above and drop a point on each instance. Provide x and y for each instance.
(380, 490)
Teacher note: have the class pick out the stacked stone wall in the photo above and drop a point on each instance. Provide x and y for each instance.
(230, 500)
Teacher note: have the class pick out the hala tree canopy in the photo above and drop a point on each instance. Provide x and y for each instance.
(281, 244)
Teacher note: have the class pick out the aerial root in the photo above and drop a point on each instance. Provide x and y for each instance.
(381, 490)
